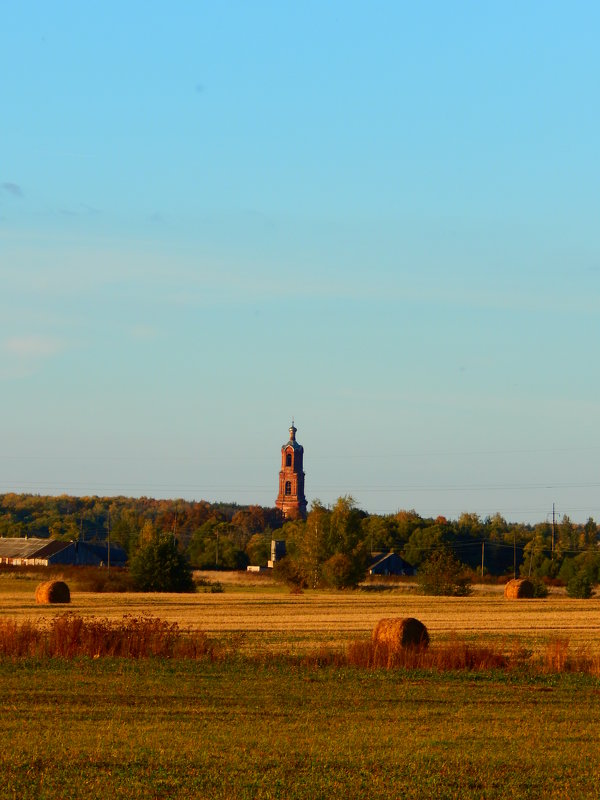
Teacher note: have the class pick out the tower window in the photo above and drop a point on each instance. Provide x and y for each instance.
(288, 460)
(288, 487)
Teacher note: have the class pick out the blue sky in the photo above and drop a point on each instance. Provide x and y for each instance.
(379, 218)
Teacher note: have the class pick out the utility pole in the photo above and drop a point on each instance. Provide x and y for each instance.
(515, 554)
(553, 522)
(530, 560)
(108, 543)
(482, 554)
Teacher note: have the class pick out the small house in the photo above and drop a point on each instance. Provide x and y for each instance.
(390, 564)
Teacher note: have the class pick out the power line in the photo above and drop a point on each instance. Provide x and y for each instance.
(512, 487)
(397, 454)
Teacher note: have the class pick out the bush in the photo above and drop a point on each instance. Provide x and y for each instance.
(210, 587)
(288, 571)
(580, 586)
(339, 572)
(568, 570)
(159, 567)
(97, 579)
(443, 574)
(539, 589)
(71, 636)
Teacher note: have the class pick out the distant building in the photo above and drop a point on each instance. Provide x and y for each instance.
(390, 564)
(278, 551)
(45, 552)
(291, 499)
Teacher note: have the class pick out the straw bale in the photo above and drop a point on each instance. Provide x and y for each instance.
(397, 634)
(518, 588)
(52, 592)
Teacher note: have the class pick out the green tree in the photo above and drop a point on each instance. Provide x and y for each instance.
(325, 535)
(406, 522)
(344, 525)
(469, 524)
(422, 542)
(568, 534)
(258, 548)
(536, 562)
(126, 530)
(568, 569)
(343, 571)
(443, 574)
(213, 546)
(589, 534)
(589, 562)
(312, 547)
(158, 566)
(338, 572)
(289, 571)
(380, 533)
(580, 586)
(496, 527)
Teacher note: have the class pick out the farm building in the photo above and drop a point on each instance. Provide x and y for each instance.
(390, 564)
(278, 551)
(44, 552)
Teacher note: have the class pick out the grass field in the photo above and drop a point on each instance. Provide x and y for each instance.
(159, 729)
(278, 728)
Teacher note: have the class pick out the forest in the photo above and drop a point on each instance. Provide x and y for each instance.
(333, 545)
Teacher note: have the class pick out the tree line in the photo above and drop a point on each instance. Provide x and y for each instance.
(334, 545)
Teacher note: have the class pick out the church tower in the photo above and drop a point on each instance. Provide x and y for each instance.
(291, 499)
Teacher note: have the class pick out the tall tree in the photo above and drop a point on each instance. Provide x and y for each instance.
(158, 566)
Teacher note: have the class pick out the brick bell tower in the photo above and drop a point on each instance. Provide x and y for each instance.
(291, 499)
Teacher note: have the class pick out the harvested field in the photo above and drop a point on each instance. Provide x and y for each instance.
(277, 620)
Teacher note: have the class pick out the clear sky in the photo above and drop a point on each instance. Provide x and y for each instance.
(380, 218)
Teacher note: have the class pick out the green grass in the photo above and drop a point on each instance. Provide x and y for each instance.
(176, 729)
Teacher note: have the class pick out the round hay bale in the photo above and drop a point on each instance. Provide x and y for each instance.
(519, 588)
(52, 592)
(398, 634)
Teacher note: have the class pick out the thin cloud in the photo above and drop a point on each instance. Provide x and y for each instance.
(81, 210)
(32, 346)
(143, 332)
(156, 219)
(16, 373)
(12, 188)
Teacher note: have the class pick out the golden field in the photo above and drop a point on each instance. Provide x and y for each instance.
(262, 615)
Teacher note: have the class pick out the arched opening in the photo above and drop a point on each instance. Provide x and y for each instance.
(288, 460)
(288, 487)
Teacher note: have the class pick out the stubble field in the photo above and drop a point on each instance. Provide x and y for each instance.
(265, 616)
(278, 728)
